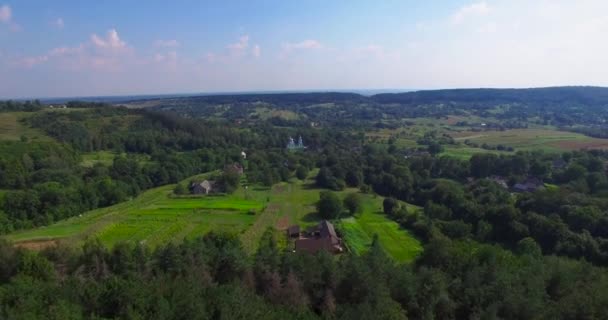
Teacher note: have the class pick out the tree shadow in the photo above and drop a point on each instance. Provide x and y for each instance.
(312, 217)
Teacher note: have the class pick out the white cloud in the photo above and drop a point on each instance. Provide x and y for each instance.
(5, 14)
(169, 56)
(306, 44)
(238, 48)
(29, 62)
(167, 43)
(256, 51)
(309, 44)
(112, 40)
(58, 23)
(472, 10)
(109, 53)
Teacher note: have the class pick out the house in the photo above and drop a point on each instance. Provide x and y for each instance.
(293, 231)
(322, 237)
(500, 181)
(203, 187)
(558, 164)
(236, 167)
(529, 185)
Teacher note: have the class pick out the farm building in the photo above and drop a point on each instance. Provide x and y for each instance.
(203, 187)
(322, 237)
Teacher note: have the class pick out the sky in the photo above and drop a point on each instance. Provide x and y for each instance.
(96, 48)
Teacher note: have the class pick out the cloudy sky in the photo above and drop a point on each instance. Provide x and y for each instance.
(84, 48)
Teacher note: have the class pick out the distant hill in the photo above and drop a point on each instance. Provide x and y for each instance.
(578, 95)
(591, 96)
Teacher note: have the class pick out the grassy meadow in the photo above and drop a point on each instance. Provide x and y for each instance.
(359, 231)
(157, 216)
(12, 128)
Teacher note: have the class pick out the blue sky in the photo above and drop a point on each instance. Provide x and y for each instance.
(83, 48)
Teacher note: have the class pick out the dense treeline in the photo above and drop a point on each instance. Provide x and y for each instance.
(7, 106)
(213, 278)
(465, 199)
(571, 108)
(46, 182)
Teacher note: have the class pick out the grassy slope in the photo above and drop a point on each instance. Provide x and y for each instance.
(11, 127)
(359, 231)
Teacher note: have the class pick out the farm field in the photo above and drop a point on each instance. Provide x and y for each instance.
(153, 218)
(359, 232)
(534, 139)
(157, 217)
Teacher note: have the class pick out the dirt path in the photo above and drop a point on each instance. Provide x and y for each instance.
(36, 244)
(283, 223)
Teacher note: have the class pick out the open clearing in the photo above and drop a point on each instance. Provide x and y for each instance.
(157, 217)
(11, 127)
(359, 232)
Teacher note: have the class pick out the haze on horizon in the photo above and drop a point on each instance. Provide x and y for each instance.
(78, 48)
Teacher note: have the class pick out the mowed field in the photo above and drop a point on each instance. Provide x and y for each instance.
(157, 217)
(359, 231)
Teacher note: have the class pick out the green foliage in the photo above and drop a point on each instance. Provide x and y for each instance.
(329, 205)
(180, 189)
(390, 206)
(352, 203)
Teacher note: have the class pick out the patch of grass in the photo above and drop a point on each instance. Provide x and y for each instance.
(359, 231)
(107, 157)
(12, 128)
(153, 218)
(464, 152)
(157, 216)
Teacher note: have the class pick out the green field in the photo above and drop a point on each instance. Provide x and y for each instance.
(154, 218)
(11, 127)
(107, 157)
(359, 231)
(157, 216)
(534, 139)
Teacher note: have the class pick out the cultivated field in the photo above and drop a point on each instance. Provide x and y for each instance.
(534, 139)
(157, 217)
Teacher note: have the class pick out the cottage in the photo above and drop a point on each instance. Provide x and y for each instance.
(323, 237)
(204, 187)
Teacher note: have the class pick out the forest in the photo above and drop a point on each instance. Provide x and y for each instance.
(508, 234)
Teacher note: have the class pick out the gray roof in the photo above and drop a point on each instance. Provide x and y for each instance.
(326, 230)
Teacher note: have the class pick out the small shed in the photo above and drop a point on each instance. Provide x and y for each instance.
(204, 187)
